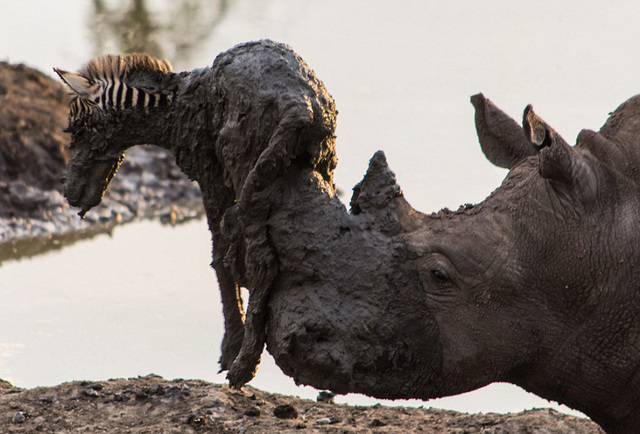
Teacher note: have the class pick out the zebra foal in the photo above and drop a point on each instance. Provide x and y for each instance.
(235, 128)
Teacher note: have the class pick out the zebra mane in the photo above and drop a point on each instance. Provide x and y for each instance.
(119, 82)
(114, 66)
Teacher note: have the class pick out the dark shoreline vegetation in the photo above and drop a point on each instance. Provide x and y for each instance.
(34, 217)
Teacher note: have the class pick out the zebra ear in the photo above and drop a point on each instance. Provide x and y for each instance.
(79, 84)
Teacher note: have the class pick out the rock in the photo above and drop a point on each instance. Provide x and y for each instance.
(119, 397)
(142, 394)
(326, 396)
(252, 411)
(96, 386)
(196, 419)
(19, 417)
(327, 421)
(92, 393)
(285, 411)
(377, 423)
(156, 389)
(211, 402)
(5, 385)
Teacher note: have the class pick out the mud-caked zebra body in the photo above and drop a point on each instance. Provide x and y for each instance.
(234, 128)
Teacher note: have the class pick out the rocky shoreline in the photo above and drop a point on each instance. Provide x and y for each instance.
(150, 186)
(34, 217)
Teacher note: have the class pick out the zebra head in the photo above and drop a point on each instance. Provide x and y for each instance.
(112, 99)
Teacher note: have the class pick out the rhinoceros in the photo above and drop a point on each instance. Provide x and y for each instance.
(537, 285)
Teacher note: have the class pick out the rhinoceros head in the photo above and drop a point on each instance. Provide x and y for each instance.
(545, 290)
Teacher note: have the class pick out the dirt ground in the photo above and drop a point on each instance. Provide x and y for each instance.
(152, 404)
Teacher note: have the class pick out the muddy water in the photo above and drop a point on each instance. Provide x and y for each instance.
(144, 299)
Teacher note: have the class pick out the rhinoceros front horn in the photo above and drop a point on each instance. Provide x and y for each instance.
(564, 166)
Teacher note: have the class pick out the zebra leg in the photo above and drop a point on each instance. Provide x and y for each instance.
(217, 200)
(232, 308)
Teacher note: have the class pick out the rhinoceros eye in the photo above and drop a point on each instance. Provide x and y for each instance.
(439, 276)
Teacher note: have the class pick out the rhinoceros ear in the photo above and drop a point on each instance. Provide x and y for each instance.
(501, 138)
(564, 166)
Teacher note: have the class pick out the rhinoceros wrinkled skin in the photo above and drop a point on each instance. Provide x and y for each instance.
(537, 285)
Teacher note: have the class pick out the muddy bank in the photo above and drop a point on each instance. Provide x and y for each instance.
(152, 404)
(34, 216)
